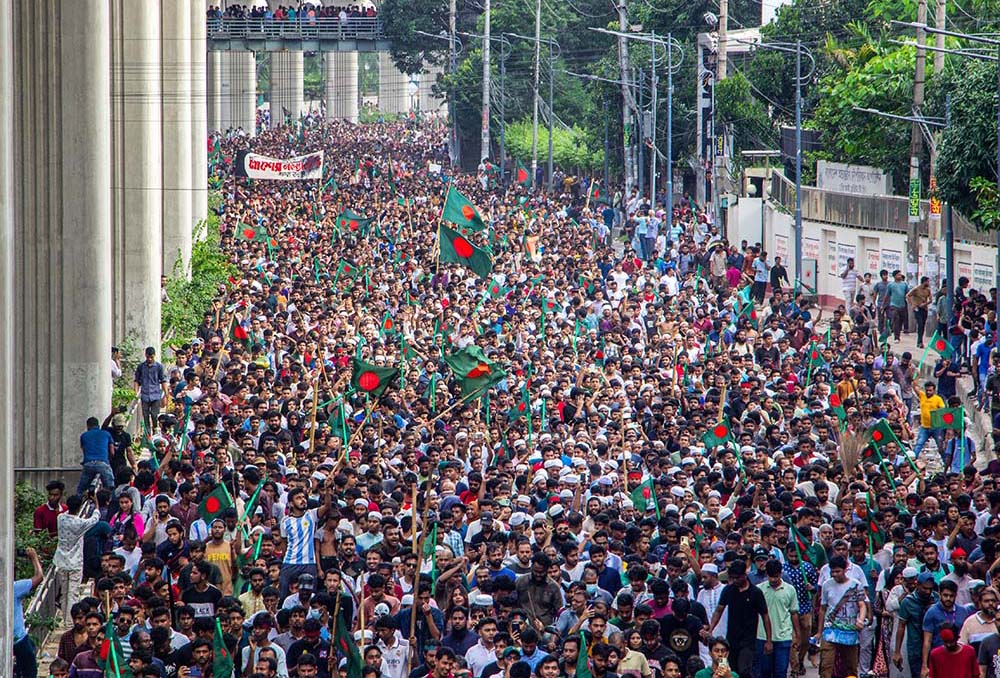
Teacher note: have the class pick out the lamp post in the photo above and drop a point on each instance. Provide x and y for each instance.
(798, 50)
(455, 47)
(505, 51)
(553, 45)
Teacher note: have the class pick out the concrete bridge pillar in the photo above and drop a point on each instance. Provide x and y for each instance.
(342, 86)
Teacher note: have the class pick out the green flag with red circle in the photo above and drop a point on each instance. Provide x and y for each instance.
(878, 436)
(521, 408)
(474, 370)
(718, 433)
(837, 406)
(521, 174)
(942, 347)
(456, 249)
(460, 211)
(252, 233)
(947, 417)
(372, 380)
(352, 222)
(214, 503)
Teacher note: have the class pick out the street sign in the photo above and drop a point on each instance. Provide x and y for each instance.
(914, 198)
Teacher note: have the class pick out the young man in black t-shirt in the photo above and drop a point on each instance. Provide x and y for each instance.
(746, 603)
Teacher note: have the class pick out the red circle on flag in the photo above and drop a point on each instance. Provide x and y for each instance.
(834, 400)
(212, 505)
(369, 381)
(480, 370)
(646, 493)
(343, 222)
(521, 407)
(551, 304)
(462, 247)
(495, 289)
(948, 418)
(388, 323)
(720, 431)
(939, 345)
(522, 175)
(347, 268)
(353, 225)
(468, 212)
(814, 355)
(877, 436)
(249, 233)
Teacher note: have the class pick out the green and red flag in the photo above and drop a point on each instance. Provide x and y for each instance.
(521, 175)
(344, 643)
(110, 658)
(815, 357)
(388, 325)
(719, 433)
(460, 211)
(372, 380)
(802, 545)
(881, 433)
(474, 370)
(454, 248)
(240, 334)
(222, 659)
(348, 269)
(837, 406)
(253, 233)
(943, 347)
(352, 221)
(521, 408)
(496, 289)
(583, 660)
(877, 537)
(947, 417)
(214, 503)
(645, 495)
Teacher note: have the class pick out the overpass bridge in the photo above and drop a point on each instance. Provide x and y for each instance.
(234, 44)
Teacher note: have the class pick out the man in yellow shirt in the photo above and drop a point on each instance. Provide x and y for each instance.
(929, 401)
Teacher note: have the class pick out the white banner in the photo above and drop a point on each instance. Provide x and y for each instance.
(254, 166)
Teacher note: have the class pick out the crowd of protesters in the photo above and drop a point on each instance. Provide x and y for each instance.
(684, 470)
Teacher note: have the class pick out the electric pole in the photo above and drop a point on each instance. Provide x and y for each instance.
(628, 103)
(916, 144)
(723, 39)
(534, 103)
(939, 23)
(452, 66)
(720, 75)
(484, 151)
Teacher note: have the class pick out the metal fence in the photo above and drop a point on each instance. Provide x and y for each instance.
(327, 28)
(886, 213)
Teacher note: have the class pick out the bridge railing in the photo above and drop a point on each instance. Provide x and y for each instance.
(328, 28)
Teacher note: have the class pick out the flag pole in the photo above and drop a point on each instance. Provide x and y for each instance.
(315, 407)
(923, 357)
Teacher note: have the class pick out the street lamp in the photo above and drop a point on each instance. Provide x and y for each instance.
(798, 50)
(552, 44)
(455, 47)
(505, 51)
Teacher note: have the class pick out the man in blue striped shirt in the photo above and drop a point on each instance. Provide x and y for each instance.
(299, 530)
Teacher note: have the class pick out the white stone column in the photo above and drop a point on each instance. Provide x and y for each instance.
(393, 86)
(83, 301)
(175, 69)
(137, 195)
(8, 319)
(214, 90)
(238, 91)
(199, 115)
(342, 86)
(287, 81)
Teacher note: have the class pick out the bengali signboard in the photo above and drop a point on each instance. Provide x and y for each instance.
(781, 247)
(857, 179)
(874, 261)
(982, 277)
(845, 252)
(810, 248)
(892, 260)
(255, 166)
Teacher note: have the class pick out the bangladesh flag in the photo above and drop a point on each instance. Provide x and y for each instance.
(521, 408)
(550, 305)
(240, 334)
(252, 233)
(876, 535)
(460, 211)
(521, 174)
(343, 643)
(838, 407)
(388, 325)
(644, 495)
(456, 249)
(947, 417)
(582, 661)
(474, 370)
(345, 267)
(496, 290)
(881, 433)
(719, 434)
(222, 660)
(372, 380)
(942, 347)
(214, 503)
(815, 357)
(109, 655)
(352, 221)
(802, 545)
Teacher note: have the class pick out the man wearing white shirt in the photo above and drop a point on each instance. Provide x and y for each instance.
(483, 653)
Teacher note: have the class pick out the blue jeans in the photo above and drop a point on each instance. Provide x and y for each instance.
(774, 665)
(91, 470)
(923, 435)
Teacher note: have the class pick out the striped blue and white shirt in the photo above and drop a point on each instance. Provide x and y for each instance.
(300, 533)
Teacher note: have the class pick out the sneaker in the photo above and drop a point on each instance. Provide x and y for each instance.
(920, 344)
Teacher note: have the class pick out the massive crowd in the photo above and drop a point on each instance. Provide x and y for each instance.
(618, 445)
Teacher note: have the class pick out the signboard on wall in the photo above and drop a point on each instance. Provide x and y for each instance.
(808, 278)
(845, 252)
(857, 179)
(982, 277)
(892, 260)
(810, 248)
(831, 257)
(781, 247)
(874, 262)
(964, 269)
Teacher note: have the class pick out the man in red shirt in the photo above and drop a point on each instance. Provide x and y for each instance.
(46, 514)
(952, 659)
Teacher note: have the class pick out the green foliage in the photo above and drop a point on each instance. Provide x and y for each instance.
(314, 77)
(751, 124)
(880, 79)
(572, 149)
(26, 500)
(401, 21)
(967, 152)
(130, 353)
(189, 297)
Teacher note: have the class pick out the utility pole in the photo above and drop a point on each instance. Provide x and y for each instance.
(628, 103)
(534, 107)
(916, 144)
(484, 151)
(552, 112)
(720, 75)
(939, 23)
(723, 40)
(652, 115)
(452, 66)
